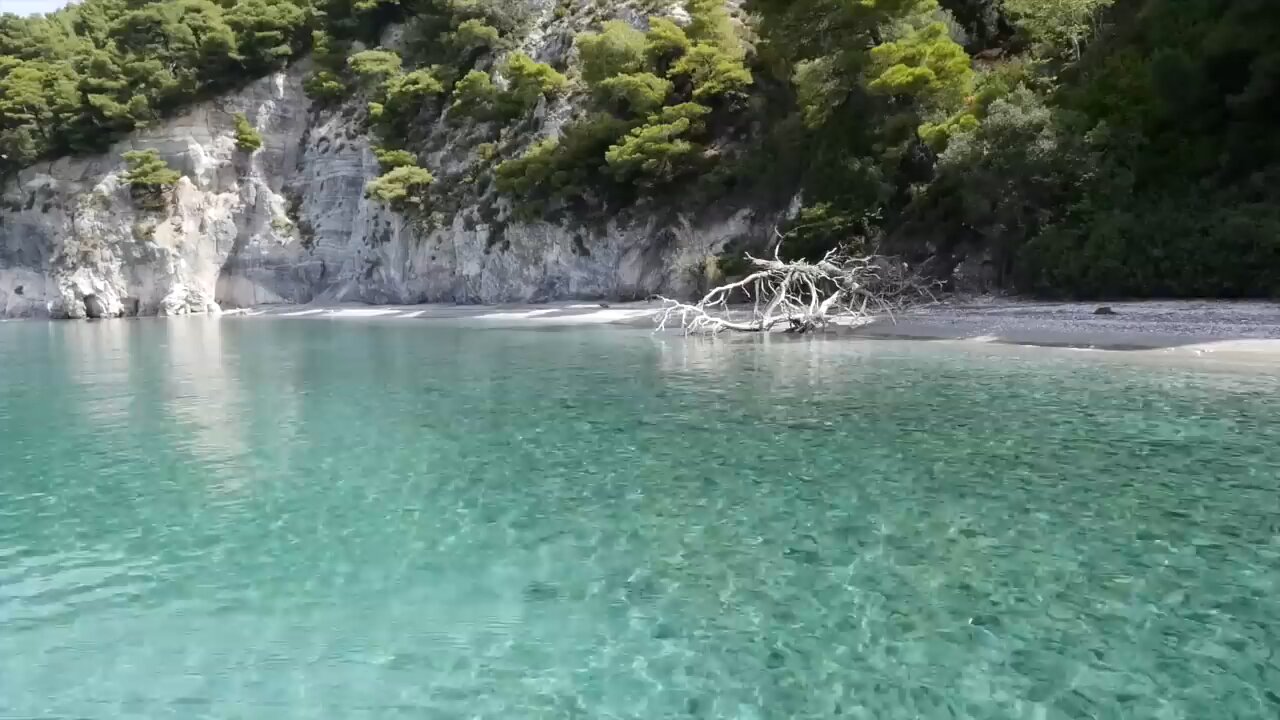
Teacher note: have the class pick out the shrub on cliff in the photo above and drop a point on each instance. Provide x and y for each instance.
(530, 81)
(375, 65)
(475, 96)
(569, 167)
(634, 93)
(400, 186)
(660, 150)
(247, 137)
(618, 48)
(391, 159)
(665, 42)
(149, 177)
(475, 34)
(713, 72)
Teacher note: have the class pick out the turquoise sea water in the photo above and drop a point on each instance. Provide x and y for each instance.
(278, 519)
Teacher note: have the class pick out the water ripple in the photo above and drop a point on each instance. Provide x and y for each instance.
(291, 519)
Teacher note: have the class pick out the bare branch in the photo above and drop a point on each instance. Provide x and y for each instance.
(803, 296)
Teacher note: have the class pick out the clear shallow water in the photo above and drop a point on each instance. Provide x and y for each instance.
(308, 519)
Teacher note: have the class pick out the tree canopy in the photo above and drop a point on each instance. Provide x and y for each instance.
(77, 79)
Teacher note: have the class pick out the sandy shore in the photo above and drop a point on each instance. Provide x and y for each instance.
(559, 314)
(1197, 327)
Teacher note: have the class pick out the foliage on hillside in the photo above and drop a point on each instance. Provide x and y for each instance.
(1091, 148)
(76, 80)
(1087, 147)
(649, 94)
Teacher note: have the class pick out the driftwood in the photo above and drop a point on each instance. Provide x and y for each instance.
(799, 297)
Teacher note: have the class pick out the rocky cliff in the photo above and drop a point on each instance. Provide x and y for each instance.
(290, 223)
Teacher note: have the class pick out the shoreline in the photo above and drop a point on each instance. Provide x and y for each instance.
(1236, 328)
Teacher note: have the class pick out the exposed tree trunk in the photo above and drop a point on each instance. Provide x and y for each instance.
(800, 297)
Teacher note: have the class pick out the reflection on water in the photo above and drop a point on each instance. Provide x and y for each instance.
(298, 519)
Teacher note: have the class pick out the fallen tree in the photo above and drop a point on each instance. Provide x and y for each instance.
(798, 296)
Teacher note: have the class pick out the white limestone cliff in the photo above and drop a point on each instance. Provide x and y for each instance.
(290, 224)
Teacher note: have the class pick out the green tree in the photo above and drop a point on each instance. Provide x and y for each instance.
(925, 64)
(475, 96)
(533, 171)
(572, 166)
(659, 151)
(475, 35)
(618, 48)
(187, 42)
(665, 42)
(713, 72)
(391, 159)
(269, 32)
(711, 25)
(1059, 25)
(405, 94)
(634, 93)
(375, 66)
(530, 81)
(325, 86)
(400, 186)
(149, 177)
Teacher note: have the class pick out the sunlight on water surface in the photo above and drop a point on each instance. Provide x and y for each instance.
(308, 519)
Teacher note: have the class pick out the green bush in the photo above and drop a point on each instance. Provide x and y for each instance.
(1168, 247)
(375, 65)
(247, 138)
(665, 42)
(403, 98)
(149, 177)
(531, 172)
(413, 88)
(530, 81)
(570, 166)
(712, 25)
(400, 186)
(618, 48)
(926, 64)
(475, 96)
(325, 86)
(391, 159)
(713, 72)
(1000, 182)
(693, 113)
(659, 151)
(634, 93)
(475, 34)
(1059, 26)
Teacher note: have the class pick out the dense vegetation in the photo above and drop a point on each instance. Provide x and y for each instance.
(76, 80)
(1085, 147)
(1091, 148)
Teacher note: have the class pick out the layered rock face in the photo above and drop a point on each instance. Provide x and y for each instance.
(74, 244)
(290, 224)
